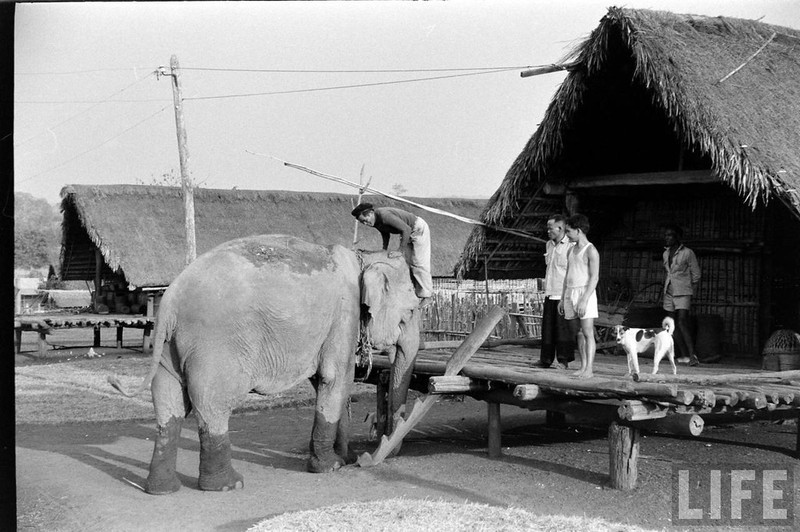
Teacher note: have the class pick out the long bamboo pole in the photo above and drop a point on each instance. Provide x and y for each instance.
(516, 232)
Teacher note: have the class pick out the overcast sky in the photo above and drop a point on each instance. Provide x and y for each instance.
(89, 109)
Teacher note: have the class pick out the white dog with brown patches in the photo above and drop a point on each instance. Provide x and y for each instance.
(636, 341)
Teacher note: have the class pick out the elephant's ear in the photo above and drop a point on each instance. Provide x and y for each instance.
(374, 288)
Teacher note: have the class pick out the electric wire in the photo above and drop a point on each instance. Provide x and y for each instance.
(107, 100)
(81, 154)
(290, 91)
(352, 86)
(356, 71)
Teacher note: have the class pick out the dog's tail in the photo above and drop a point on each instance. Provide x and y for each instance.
(668, 324)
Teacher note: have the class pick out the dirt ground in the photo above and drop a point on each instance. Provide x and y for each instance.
(85, 476)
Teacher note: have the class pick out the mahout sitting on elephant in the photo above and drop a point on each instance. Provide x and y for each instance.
(263, 313)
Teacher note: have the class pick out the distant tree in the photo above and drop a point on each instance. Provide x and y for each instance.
(31, 249)
(37, 232)
(398, 189)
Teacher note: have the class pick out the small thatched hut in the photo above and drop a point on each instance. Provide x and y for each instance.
(644, 132)
(134, 234)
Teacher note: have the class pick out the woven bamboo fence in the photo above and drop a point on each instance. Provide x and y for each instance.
(458, 304)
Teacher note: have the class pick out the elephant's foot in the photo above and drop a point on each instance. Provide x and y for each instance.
(162, 478)
(323, 459)
(216, 471)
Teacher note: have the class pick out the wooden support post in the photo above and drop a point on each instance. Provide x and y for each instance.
(96, 336)
(623, 455)
(98, 262)
(43, 345)
(797, 444)
(147, 338)
(495, 430)
(18, 340)
(119, 336)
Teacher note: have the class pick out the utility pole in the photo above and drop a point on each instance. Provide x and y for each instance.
(183, 153)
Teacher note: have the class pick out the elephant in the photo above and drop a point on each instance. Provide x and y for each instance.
(261, 314)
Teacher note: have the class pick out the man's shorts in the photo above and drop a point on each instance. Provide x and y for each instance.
(573, 295)
(673, 303)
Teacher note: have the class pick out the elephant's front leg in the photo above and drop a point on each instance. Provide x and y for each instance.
(399, 381)
(330, 436)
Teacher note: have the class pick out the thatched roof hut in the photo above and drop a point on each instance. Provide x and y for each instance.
(138, 230)
(642, 132)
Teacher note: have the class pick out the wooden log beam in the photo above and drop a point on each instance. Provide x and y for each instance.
(741, 415)
(599, 412)
(454, 384)
(527, 392)
(639, 411)
(704, 398)
(726, 379)
(551, 381)
(752, 400)
(649, 178)
(680, 424)
(623, 456)
(452, 344)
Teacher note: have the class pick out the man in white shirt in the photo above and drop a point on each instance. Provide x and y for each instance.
(557, 341)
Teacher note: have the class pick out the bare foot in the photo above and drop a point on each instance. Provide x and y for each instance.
(586, 375)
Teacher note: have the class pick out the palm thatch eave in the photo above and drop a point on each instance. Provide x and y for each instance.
(748, 126)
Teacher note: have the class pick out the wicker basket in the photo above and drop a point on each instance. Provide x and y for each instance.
(782, 351)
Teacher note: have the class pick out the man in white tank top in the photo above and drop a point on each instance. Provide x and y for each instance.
(579, 298)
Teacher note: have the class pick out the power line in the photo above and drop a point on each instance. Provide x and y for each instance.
(146, 100)
(92, 71)
(353, 86)
(93, 148)
(86, 110)
(284, 70)
(293, 91)
(347, 71)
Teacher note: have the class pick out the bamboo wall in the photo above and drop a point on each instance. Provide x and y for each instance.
(728, 240)
(458, 304)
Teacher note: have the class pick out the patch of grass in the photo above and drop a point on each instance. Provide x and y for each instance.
(411, 515)
(77, 390)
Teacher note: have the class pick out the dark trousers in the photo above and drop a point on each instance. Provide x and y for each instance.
(557, 340)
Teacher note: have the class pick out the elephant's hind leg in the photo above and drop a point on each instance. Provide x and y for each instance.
(171, 406)
(213, 395)
(216, 471)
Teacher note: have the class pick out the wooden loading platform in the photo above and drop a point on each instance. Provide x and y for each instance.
(682, 404)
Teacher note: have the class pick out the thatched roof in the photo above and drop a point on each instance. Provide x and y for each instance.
(647, 84)
(140, 229)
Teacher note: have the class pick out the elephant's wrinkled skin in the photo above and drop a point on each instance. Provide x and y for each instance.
(261, 314)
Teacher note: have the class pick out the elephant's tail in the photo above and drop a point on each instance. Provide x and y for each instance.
(165, 325)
